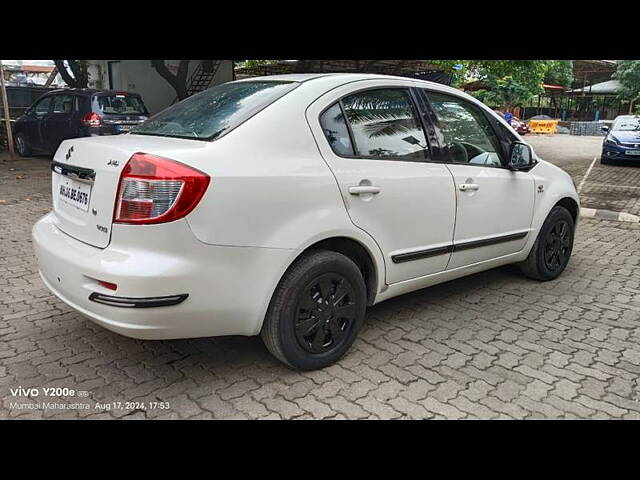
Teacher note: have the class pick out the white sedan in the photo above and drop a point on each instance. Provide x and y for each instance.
(285, 205)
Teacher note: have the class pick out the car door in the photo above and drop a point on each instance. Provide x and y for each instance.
(494, 204)
(57, 124)
(374, 142)
(37, 115)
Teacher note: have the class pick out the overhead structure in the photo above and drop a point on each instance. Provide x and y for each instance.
(588, 72)
(610, 87)
(421, 69)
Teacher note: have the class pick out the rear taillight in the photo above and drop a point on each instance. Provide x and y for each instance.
(91, 120)
(153, 189)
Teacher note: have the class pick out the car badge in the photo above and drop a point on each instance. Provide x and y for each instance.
(69, 152)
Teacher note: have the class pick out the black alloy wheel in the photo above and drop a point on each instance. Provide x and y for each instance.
(325, 313)
(557, 247)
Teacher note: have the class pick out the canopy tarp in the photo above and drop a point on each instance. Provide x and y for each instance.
(610, 87)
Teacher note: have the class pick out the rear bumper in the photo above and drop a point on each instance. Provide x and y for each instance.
(229, 288)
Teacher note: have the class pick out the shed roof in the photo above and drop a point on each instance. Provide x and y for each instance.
(610, 87)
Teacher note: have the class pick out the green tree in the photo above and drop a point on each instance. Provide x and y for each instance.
(559, 72)
(628, 74)
(506, 92)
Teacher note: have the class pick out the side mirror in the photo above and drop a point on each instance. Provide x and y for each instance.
(521, 157)
(604, 128)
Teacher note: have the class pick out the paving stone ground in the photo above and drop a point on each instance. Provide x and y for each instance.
(493, 345)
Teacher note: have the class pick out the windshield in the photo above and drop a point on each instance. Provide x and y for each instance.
(121, 105)
(627, 124)
(211, 113)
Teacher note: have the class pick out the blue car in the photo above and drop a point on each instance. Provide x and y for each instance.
(622, 142)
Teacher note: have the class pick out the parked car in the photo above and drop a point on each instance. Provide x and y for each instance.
(285, 205)
(71, 113)
(518, 125)
(622, 141)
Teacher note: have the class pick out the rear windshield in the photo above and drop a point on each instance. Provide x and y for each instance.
(210, 114)
(120, 105)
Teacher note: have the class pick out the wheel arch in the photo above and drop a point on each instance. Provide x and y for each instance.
(358, 253)
(571, 205)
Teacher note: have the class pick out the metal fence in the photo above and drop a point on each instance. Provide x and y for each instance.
(587, 128)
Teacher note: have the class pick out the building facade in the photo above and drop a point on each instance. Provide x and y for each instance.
(140, 77)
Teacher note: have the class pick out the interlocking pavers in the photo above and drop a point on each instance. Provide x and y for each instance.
(493, 345)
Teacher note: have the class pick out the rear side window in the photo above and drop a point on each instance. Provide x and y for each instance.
(119, 105)
(385, 125)
(212, 113)
(335, 129)
(63, 104)
(42, 107)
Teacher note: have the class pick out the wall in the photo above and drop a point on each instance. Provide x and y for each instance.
(140, 77)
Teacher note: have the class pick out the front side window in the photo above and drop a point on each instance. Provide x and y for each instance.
(468, 137)
(42, 107)
(212, 113)
(385, 124)
(63, 104)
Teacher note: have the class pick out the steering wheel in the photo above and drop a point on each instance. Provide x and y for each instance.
(458, 152)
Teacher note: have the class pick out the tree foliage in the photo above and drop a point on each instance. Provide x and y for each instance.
(628, 74)
(75, 73)
(508, 93)
(508, 83)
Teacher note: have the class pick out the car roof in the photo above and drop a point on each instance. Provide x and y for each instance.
(340, 78)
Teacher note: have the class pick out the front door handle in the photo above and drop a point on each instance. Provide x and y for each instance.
(468, 187)
(360, 189)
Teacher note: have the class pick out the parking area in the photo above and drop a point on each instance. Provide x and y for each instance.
(608, 187)
(492, 345)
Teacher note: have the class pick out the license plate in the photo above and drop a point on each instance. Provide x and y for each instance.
(123, 128)
(75, 193)
(635, 153)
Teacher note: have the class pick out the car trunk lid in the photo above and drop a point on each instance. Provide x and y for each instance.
(85, 177)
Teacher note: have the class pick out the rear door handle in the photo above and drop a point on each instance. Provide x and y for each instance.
(360, 189)
(468, 187)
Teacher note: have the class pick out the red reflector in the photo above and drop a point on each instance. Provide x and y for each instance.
(109, 285)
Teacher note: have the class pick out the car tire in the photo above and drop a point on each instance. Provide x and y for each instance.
(302, 328)
(605, 161)
(551, 252)
(22, 145)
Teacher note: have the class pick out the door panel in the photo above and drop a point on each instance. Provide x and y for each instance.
(57, 125)
(413, 213)
(39, 113)
(491, 219)
(390, 188)
(494, 204)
